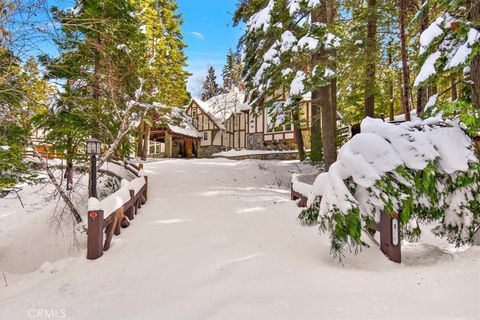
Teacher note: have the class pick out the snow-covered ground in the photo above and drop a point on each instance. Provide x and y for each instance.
(220, 239)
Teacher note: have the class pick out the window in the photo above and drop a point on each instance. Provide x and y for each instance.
(205, 135)
(194, 112)
(154, 148)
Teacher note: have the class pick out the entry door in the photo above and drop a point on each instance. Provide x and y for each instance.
(188, 148)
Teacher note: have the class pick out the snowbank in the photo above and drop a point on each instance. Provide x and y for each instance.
(300, 186)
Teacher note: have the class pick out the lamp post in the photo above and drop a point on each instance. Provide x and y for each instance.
(93, 149)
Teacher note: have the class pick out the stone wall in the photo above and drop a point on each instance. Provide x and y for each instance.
(255, 141)
(208, 151)
(269, 156)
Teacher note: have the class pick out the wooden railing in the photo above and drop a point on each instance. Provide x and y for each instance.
(123, 206)
(130, 166)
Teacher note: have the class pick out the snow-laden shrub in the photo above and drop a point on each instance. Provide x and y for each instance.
(425, 170)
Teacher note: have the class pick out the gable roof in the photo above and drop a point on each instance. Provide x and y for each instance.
(182, 124)
(224, 105)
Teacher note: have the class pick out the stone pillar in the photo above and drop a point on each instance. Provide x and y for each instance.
(168, 145)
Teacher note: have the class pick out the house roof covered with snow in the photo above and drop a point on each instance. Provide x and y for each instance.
(182, 124)
(220, 108)
(224, 105)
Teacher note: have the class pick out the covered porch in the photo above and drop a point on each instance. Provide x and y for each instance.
(177, 144)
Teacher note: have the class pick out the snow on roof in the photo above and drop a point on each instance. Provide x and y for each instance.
(207, 108)
(182, 124)
(189, 130)
(224, 105)
(221, 107)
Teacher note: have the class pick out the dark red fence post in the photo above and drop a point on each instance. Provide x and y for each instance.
(95, 235)
(130, 213)
(390, 243)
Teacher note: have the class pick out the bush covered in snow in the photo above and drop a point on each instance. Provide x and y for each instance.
(425, 170)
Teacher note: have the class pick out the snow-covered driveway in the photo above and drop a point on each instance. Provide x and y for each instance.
(220, 239)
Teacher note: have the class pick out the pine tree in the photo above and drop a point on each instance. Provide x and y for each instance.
(406, 91)
(165, 75)
(279, 44)
(449, 55)
(210, 85)
(371, 56)
(228, 72)
(232, 72)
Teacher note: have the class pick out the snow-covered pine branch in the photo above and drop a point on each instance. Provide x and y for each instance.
(425, 170)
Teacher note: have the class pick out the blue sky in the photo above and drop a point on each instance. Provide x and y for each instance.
(209, 33)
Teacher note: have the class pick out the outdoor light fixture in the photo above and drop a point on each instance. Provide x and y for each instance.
(93, 150)
(93, 147)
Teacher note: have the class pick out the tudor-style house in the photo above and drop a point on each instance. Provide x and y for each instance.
(225, 122)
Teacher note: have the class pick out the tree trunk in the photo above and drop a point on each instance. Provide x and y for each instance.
(432, 90)
(322, 96)
(69, 175)
(319, 15)
(404, 53)
(454, 88)
(141, 129)
(474, 17)
(371, 50)
(69, 169)
(422, 95)
(328, 129)
(391, 92)
(146, 139)
(316, 154)
(297, 130)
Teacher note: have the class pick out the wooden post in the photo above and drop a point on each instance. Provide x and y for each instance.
(292, 195)
(145, 193)
(95, 235)
(390, 243)
(130, 213)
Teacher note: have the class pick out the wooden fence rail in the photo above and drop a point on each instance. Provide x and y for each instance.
(101, 227)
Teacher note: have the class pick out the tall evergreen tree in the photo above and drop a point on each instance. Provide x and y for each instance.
(371, 56)
(210, 85)
(165, 74)
(227, 72)
(232, 72)
(449, 50)
(280, 41)
(406, 90)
